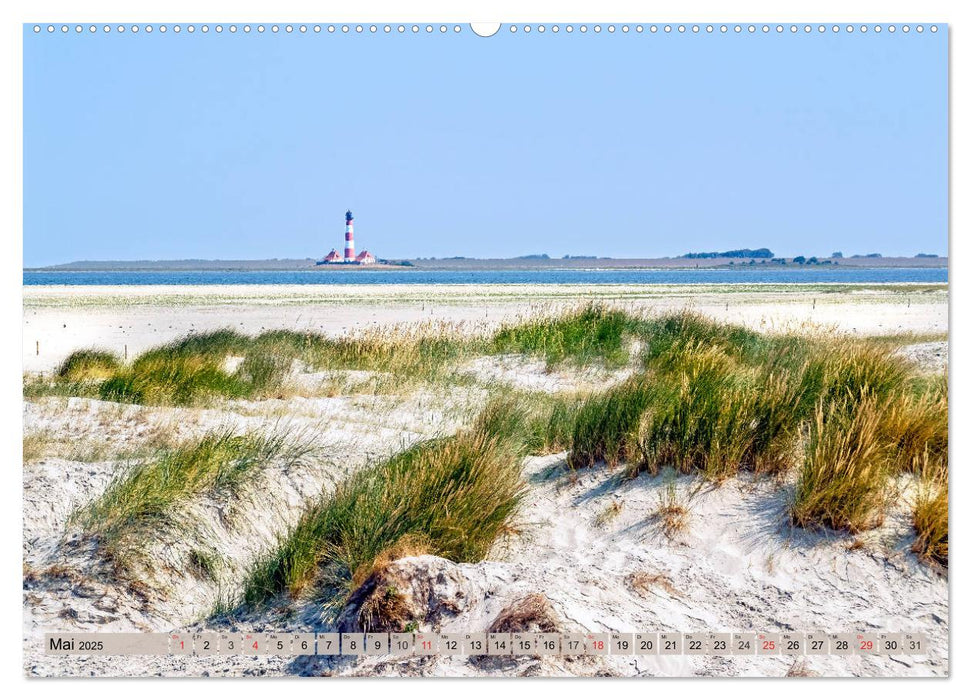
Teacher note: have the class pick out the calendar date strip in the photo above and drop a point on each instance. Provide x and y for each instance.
(486, 644)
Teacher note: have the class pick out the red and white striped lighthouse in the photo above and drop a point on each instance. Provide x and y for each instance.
(349, 237)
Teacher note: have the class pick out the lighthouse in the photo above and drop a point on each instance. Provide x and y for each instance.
(349, 237)
(349, 258)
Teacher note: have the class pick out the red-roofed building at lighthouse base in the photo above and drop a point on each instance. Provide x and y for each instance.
(365, 258)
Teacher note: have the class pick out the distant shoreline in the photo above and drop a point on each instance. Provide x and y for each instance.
(466, 264)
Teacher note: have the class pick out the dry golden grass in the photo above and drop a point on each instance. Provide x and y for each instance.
(673, 511)
(386, 609)
(844, 481)
(916, 426)
(410, 545)
(930, 516)
(609, 513)
(37, 445)
(800, 669)
(41, 444)
(644, 583)
(381, 593)
(531, 613)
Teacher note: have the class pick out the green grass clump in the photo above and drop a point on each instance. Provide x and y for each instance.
(175, 379)
(688, 328)
(551, 428)
(593, 332)
(451, 497)
(185, 372)
(192, 370)
(204, 564)
(606, 425)
(704, 423)
(715, 416)
(88, 365)
(148, 496)
(423, 351)
(717, 398)
(875, 419)
(699, 408)
(212, 344)
(844, 479)
(536, 424)
(263, 373)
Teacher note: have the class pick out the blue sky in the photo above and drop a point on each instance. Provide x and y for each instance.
(252, 146)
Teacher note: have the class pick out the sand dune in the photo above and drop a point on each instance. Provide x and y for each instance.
(588, 541)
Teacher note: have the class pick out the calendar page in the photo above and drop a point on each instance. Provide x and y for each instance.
(424, 349)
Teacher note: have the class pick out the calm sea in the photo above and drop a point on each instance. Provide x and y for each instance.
(806, 275)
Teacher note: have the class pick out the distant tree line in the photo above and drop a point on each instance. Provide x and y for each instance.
(740, 253)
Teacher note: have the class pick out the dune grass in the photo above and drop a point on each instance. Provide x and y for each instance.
(149, 495)
(851, 369)
(87, 365)
(540, 423)
(673, 512)
(843, 483)
(930, 515)
(664, 334)
(551, 423)
(915, 424)
(185, 372)
(710, 397)
(847, 413)
(180, 380)
(590, 333)
(697, 407)
(714, 415)
(193, 370)
(451, 497)
(36, 445)
(606, 424)
(80, 374)
(874, 420)
(46, 443)
(423, 350)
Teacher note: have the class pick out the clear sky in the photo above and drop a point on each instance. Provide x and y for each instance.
(155, 146)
